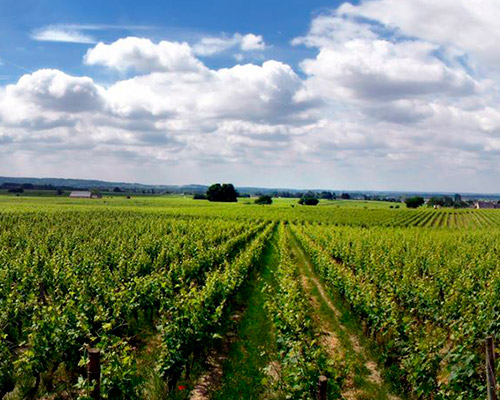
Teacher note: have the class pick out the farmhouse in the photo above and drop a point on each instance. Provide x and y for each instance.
(486, 204)
(84, 195)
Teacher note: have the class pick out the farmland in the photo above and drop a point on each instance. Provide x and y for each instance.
(385, 302)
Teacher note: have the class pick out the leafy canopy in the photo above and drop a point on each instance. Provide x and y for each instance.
(224, 193)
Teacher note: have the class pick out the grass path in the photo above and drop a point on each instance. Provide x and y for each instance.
(253, 349)
(340, 335)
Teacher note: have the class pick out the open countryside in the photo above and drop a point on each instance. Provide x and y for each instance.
(240, 300)
(250, 200)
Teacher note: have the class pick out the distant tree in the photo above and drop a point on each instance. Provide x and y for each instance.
(59, 192)
(223, 193)
(264, 200)
(457, 198)
(199, 196)
(308, 201)
(448, 201)
(28, 186)
(117, 189)
(9, 185)
(414, 202)
(327, 195)
(435, 201)
(16, 190)
(345, 196)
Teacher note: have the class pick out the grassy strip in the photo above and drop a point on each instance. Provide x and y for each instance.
(255, 348)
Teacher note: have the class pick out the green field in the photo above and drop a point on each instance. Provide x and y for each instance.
(191, 299)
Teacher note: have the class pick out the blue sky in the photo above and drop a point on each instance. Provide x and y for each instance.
(369, 94)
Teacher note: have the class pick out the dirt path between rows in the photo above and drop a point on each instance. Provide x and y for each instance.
(331, 333)
(213, 375)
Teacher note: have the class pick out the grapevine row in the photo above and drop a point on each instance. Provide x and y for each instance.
(428, 297)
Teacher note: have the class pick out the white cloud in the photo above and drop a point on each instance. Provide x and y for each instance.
(243, 92)
(76, 33)
(378, 69)
(48, 99)
(143, 55)
(170, 113)
(61, 34)
(55, 90)
(209, 46)
(251, 42)
(378, 106)
(470, 25)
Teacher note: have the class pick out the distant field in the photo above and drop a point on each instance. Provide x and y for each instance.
(340, 212)
(385, 302)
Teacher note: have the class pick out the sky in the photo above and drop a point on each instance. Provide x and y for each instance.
(361, 95)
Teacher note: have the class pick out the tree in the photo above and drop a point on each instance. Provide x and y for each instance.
(448, 201)
(435, 201)
(414, 202)
(345, 196)
(224, 193)
(327, 195)
(199, 196)
(116, 189)
(264, 200)
(308, 201)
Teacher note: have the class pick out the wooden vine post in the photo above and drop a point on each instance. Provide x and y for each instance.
(490, 368)
(94, 373)
(322, 385)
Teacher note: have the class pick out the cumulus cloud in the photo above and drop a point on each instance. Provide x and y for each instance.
(376, 102)
(248, 92)
(48, 99)
(175, 109)
(415, 92)
(470, 25)
(251, 42)
(209, 46)
(360, 60)
(54, 90)
(142, 55)
(380, 69)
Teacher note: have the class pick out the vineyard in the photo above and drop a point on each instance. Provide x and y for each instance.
(384, 302)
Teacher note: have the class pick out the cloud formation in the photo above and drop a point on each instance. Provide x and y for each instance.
(142, 55)
(209, 46)
(390, 100)
(469, 26)
(61, 33)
